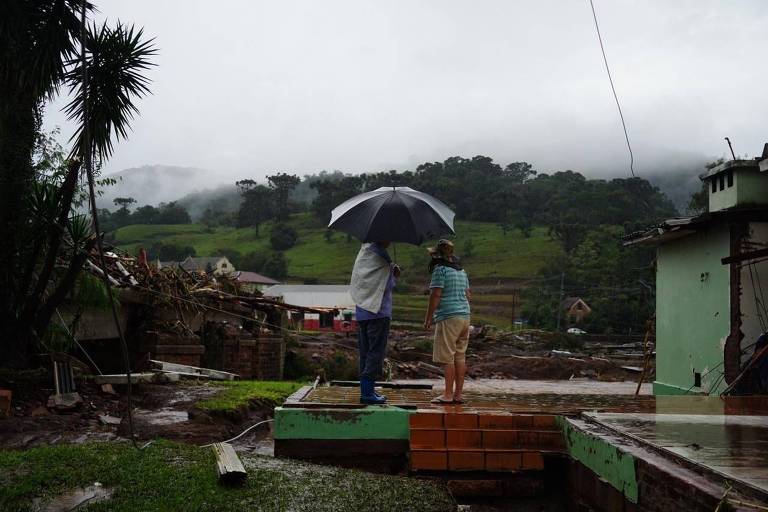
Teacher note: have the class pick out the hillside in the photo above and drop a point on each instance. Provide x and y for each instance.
(494, 254)
(496, 259)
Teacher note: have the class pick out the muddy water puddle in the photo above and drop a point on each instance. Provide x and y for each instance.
(74, 499)
(161, 417)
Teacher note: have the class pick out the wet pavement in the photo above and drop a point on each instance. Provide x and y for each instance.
(733, 445)
(500, 401)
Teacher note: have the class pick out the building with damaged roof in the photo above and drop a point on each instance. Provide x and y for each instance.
(711, 283)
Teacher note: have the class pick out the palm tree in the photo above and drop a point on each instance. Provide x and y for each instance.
(44, 243)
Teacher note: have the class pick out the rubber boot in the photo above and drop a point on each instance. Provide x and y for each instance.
(367, 395)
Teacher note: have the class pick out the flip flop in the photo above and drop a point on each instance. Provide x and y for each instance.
(441, 400)
(458, 401)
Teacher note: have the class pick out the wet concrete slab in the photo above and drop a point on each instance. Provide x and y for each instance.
(731, 445)
(566, 402)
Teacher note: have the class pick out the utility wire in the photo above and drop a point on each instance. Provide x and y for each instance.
(87, 156)
(615, 96)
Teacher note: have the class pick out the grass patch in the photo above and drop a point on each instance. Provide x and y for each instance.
(174, 477)
(238, 394)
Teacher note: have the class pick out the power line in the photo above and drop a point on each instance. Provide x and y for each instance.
(615, 96)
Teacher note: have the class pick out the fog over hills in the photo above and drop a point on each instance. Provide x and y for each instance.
(197, 189)
(154, 184)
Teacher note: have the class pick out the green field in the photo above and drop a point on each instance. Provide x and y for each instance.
(493, 255)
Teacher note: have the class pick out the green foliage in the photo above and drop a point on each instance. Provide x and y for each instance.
(238, 394)
(282, 184)
(468, 248)
(170, 252)
(175, 477)
(257, 206)
(282, 237)
(276, 266)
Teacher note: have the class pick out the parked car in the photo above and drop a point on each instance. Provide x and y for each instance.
(576, 331)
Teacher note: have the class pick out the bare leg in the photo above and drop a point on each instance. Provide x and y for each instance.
(450, 376)
(460, 368)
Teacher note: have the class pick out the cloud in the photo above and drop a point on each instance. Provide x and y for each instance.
(248, 87)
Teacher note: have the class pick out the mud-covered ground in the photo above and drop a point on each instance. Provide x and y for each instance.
(529, 356)
(160, 411)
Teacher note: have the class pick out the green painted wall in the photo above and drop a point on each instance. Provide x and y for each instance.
(692, 311)
(750, 186)
(604, 459)
(366, 423)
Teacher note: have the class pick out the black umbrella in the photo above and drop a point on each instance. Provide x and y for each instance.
(395, 214)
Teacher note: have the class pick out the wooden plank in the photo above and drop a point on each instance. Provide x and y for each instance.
(743, 256)
(136, 378)
(203, 372)
(299, 395)
(228, 465)
(389, 385)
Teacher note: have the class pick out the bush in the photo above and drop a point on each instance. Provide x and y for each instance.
(276, 266)
(283, 237)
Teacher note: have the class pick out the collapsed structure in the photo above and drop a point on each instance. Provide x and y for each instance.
(186, 317)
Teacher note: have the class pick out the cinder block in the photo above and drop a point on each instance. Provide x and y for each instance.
(466, 461)
(551, 440)
(426, 420)
(459, 420)
(427, 439)
(463, 439)
(544, 422)
(502, 421)
(429, 460)
(503, 461)
(523, 421)
(500, 439)
(533, 461)
(528, 439)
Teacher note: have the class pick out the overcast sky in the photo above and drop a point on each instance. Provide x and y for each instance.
(246, 87)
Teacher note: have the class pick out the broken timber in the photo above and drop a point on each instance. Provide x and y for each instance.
(136, 378)
(192, 371)
(228, 465)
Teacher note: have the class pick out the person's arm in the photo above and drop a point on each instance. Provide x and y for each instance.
(434, 300)
(468, 294)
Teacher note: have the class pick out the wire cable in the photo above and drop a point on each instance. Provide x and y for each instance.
(241, 434)
(87, 156)
(613, 88)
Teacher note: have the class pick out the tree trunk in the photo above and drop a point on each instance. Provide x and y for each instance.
(18, 124)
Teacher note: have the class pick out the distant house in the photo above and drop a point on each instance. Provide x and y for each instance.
(576, 310)
(319, 296)
(252, 282)
(217, 264)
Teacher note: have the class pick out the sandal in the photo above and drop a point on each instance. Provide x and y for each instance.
(458, 401)
(440, 400)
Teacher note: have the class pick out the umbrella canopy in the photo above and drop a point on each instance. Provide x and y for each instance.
(395, 214)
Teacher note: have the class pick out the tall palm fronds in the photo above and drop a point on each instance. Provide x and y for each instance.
(44, 242)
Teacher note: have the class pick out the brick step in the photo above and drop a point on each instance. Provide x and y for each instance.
(485, 439)
(437, 419)
(476, 460)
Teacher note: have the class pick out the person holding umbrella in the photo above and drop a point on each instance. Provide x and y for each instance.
(373, 279)
(378, 218)
(449, 311)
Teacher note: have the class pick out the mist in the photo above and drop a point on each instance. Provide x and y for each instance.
(246, 88)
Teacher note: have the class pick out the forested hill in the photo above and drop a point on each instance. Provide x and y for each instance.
(582, 218)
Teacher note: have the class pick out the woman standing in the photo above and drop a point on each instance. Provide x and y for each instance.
(449, 311)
